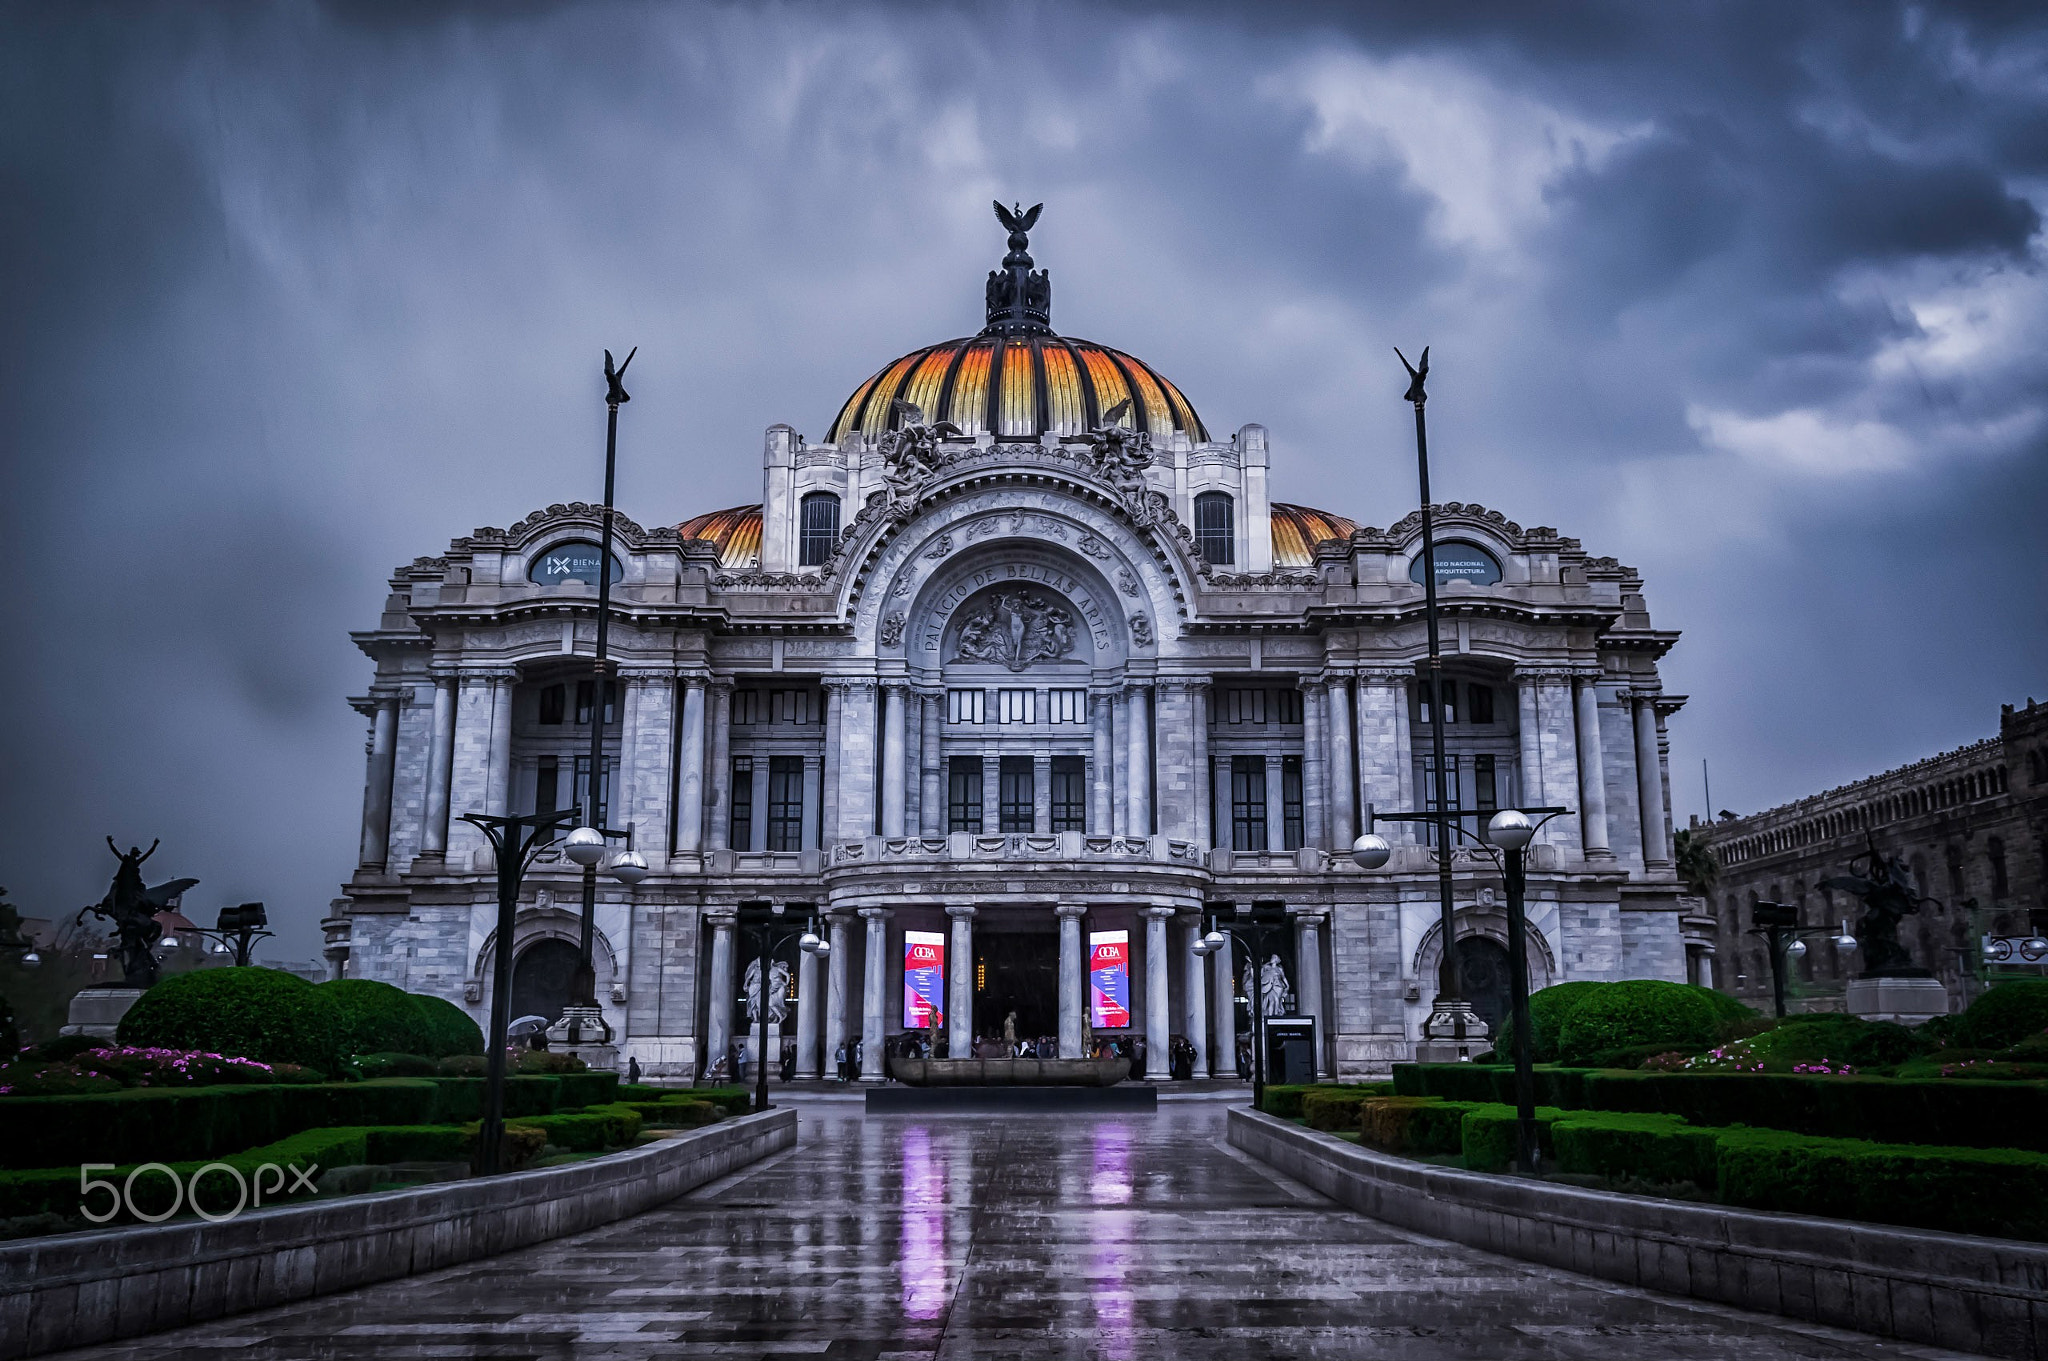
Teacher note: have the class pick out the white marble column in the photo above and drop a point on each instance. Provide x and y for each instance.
(1314, 770)
(1041, 793)
(858, 742)
(1276, 806)
(1592, 772)
(690, 773)
(1158, 1003)
(642, 785)
(1196, 989)
(892, 760)
(1100, 818)
(874, 996)
(960, 1002)
(1120, 765)
(719, 717)
(375, 849)
(1308, 981)
(1204, 769)
(1650, 783)
(1529, 787)
(931, 807)
(835, 986)
(1343, 794)
(807, 1009)
(1072, 978)
(1409, 797)
(1223, 1000)
(1558, 758)
(1140, 761)
(718, 1018)
(498, 791)
(832, 699)
(1383, 751)
(440, 769)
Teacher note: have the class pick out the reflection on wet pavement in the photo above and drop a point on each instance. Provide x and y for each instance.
(1003, 1237)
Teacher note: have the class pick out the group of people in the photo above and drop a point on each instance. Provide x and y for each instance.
(735, 1066)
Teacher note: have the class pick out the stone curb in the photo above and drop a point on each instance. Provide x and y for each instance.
(76, 1289)
(1983, 1295)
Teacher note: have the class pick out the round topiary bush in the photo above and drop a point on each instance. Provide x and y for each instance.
(377, 1018)
(1547, 1010)
(1729, 1014)
(2005, 1015)
(449, 1027)
(1633, 1015)
(252, 1013)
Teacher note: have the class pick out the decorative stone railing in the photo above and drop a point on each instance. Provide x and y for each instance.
(970, 847)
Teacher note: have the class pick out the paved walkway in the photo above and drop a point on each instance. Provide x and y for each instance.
(1004, 1237)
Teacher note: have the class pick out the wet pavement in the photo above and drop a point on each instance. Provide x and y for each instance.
(1004, 1237)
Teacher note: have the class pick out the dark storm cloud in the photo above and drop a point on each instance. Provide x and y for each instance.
(1749, 295)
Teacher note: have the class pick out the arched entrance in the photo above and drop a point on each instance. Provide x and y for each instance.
(1484, 963)
(541, 979)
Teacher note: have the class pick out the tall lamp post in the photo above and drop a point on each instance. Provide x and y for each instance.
(1451, 1013)
(583, 1012)
(237, 929)
(1778, 925)
(1253, 931)
(1508, 834)
(771, 932)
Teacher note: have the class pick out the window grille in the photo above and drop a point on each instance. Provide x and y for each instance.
(1290, 803)
(1069, 793)
(1248, 803)
(963, 794)
(818, 531)
(1215, 536)
(741, 833)
(785, 803)
(1016, 789)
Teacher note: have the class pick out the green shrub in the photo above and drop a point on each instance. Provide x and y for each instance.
(547, 1061)
(419, 1144)
(1730, 1016)
(1486, 1136)
(252, 1012)
(1562, 1087)
(1835, 1039)
(586, 1089)
(1640, 1011)
(736, 1100)
(1661, 1149)
(675, 1113)
(464, 1065)
(450, 1031)
(1547, 1010)
(1894, 1110)
(395, 1065)
(1993, 1192)
(1284, 1098)
(55, 1190)
(2005, 1015)
(377, 1018)
(1332, 1108)
(587, 1131)
(1416, 1125)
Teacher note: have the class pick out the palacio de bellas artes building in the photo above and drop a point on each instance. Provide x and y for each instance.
(1019, 665)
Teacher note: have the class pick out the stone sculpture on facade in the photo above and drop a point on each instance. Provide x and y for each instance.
(910, 453)
(778, 992)
(1885, 885)
(1276, 998)
(1016, 628)
(132, 909)
(1121, 454)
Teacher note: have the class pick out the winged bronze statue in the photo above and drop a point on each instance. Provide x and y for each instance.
(615, 378)
(1016, 219)
(1121, 452)
(1416, 377)
(910, 452)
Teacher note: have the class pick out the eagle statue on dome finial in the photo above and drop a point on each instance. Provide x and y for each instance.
(1018, 221)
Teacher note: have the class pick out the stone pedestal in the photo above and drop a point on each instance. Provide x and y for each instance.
(582, 1031)
(750, 1046)
(97, 1012)
(1908, 1001)
(1454, 1033)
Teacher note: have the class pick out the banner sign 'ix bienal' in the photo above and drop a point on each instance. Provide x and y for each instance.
(1109, 979)
(924, 979)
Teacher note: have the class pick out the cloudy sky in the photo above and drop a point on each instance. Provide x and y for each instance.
(1749, 296)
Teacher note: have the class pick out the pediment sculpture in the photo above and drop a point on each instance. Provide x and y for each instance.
(910, 453)
(1121, 454)
(1016, 629)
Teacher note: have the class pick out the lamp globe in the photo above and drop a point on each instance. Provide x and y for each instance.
(628, 867)
(1510, 829)
(1371, 851)
(585, 846)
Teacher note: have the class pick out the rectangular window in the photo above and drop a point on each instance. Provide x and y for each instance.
(748, 708)
(1015, 706)
(1248, 803)
(963, 794)
(1422, 698)
(1451, 794)
(1066, 706)
(1244, 706)
(547, 783)
(1481, 710)
(584, 690)
(817, 528)
(791, 706)
(785, 803)
(1485, 792)
(1290, 801)
(554, 703)
(967, 706)
(1214, 533)
(1287, 706)
(604, 786)
(741, 835)
(1069, 793)
(1017, 789)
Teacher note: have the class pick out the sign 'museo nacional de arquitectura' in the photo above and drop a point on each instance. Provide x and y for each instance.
(975, 670)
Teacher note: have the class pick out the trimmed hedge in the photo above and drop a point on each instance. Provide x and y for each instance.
(1996, 1192)
(587, 1131)
(1415, 1125)
(674, 1113)
(450, 1031)
(1288, 1100)
(1662, 1149)
(394, 1065)
(2004, 1015)
(1547, 1009)
(1636, 1013)
(55, 1190)
(590, 1088)
(1332, 1110)
(249, 1012)
(377, 1018)
(1562, 1087)
(1486, 1136)
(737, 1100)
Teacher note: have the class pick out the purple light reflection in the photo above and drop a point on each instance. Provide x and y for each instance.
(922, 1258)
(1109, 1233)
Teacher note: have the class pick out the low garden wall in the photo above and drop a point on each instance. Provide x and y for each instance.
(1988, 1296)
(75, 1289)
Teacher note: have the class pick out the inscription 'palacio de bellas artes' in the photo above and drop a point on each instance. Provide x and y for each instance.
(1021, 657)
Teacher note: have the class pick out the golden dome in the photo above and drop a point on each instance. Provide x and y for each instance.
(1019, 387)
(1296, 532)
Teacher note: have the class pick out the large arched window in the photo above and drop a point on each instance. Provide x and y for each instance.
(1215, 537)
(818, 530)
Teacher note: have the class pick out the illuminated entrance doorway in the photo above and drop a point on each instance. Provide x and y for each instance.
(1017, 971)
